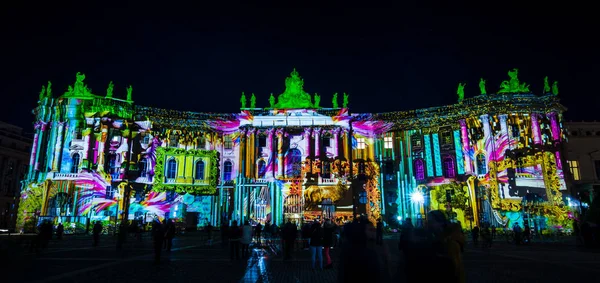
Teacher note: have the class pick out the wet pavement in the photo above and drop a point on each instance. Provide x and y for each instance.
(74, 260)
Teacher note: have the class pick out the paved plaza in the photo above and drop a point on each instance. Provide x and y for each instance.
(74, 260)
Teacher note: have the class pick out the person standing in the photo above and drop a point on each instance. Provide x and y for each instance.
(170, 234)
(379, 233)
(246, 239)
(316, 244)
(289, 238)
(257, 233)
(158, 235)
(59, 231)
(328, 236)
(234, 240)
(96, 231)
(475, 235)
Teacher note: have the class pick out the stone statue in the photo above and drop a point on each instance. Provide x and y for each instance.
(49, 89)
(334, 101)
(345, 101)
(129, 91)
(482, 86)
(69, 91)
(294, 96)
(243, 100)
(461, 91)
(272, 101)
(555, 88)
(252, 101)
(109, 90)
(546, 85)
(42, 93)
(80, 89)
(513, 85)
(317, 100)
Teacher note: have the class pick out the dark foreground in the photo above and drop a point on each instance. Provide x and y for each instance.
(74, 260)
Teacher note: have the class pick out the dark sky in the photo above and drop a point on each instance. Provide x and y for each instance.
(388, 58)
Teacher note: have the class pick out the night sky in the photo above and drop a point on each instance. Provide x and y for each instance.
(388, 58)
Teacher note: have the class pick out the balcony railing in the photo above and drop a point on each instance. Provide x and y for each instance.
(58, 175)
(329, 181)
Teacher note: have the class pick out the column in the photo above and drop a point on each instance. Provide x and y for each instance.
(345, 137)
(535, 128)
(101, 146)
(58, 147)
(269, 173)
(280, 164)
(34, 147)
(334, 145)
(307, 134)
(250, 156)
(503, 129)
(317, 135)
(556, 137)
(465, 145)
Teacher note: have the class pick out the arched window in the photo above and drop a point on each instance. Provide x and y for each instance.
(75, 164)
(262, 169)
(419, 169)
(448, 168)
(227, 172)
(199, 170)
(481, 166)
(326, 170)
(171, 168)
(294, 163)
(361, 167)
(144, 167)
(112, 163)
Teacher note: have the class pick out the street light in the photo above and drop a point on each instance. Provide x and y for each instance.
(417, 197)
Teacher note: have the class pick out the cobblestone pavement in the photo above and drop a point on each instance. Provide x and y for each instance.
(74, 260)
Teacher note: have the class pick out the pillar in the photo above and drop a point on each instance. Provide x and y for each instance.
(101, 146)
(317, 135)
(345, 137)
(465, 145)
(280, 164)
(535, 128)
(270, 160)
(556, 136)
(307, 134)
(250, 156)
(36, 137)
(58, 147)
(334, 145)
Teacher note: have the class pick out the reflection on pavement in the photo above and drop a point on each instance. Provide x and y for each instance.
(256, 270)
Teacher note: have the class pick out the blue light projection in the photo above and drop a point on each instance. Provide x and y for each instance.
(436, 155)
(428, 157)
(459, 153)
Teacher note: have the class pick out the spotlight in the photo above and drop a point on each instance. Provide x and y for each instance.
(417, 197)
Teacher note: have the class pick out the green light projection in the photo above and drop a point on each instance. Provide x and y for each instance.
(460, 91)
(317, 100)
(513, 85)
(162, 153)
(252, 101)
(546, 85)
(129, 91)
(109, 90)
(334, 101)
(243, 100)
(294, 96)
(79, 90)
(272, 101)
(482, 86)
(555, 88)
(42, 93)
(345, 102)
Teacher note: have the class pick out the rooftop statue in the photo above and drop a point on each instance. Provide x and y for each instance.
(555, 88)
(272, 101)
(252, 101)
(317, 100)
(482, 86)
(546, 85)
(79, 89)
(294, 96)
(49, 89)
(129, 91)
(461, 91)
(109, 90)
(334, 101)
(345, 101)
(243, 100)
(42, 93)
(513, 85)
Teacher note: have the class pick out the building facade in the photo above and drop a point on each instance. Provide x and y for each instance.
(583, 157)
(491, 159)
(14, 160)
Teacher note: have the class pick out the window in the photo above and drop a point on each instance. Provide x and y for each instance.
(448, 167)
(144, 167)
(388, 142)
(514, 131)
(327, 142)
(201, 143)
(228, 143)
(75, 164)
(389, 171)
(419, 169)
(227, 172)
(574, 166)
(78, 134)
(112, 163)
(361, 167)
(294, 163)
(262, 169)
(361, 143)
(362, 197)
(416, 141)
(446, 138)
(173, 141)
(199, 170)
(171, 168)
(326, 171)
(481, 165)
(146, 139)
(262, 141)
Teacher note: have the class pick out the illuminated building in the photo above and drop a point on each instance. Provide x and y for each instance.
(297, 159)
(14, 158)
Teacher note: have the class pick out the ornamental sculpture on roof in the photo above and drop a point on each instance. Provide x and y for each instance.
(294, 96)
(513, 85)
